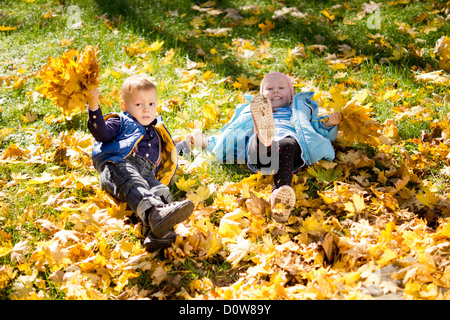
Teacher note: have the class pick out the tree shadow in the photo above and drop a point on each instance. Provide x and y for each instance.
(146, 27)
(291, 30)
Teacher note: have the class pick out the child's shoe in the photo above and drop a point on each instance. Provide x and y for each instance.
(282, 201)
(152, 243)
(262, 115)
(162, 218)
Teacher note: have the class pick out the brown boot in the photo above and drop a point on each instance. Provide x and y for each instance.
(282, 201)
(162, 218)
(262, 115)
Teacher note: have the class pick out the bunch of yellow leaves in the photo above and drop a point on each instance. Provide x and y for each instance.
(68, 79)
(443, 50)
(357, 125)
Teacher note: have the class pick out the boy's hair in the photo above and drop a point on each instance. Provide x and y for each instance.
(136, 82)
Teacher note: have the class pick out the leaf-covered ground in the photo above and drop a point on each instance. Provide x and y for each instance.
(372, 224)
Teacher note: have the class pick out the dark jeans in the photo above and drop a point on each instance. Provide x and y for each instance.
(133, 180)
(279, 159)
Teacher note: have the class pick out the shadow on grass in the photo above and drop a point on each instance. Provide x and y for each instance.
(161, 19)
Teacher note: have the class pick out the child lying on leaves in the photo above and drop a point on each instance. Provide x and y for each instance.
(276, 133)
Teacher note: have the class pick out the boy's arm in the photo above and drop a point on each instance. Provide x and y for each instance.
(193, 139)
(196, 139)
(101, 130)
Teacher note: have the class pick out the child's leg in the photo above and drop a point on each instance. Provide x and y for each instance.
(159, 189)
(265, 159)
(283, 196)
(279, 159)
(286, 154)
(289, 157)
(125, 181)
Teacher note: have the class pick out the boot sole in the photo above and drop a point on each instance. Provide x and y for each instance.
(152, 243)
(165, 226)
(286, 196)
(262, 115)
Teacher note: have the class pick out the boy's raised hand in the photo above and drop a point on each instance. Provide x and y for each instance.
(93, 98)
(333, 119)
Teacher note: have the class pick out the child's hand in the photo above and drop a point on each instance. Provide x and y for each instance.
(93, 98)
(196, 139)
(333, 119)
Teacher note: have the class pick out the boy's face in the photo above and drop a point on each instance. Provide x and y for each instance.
(276, 89)
(141, 105)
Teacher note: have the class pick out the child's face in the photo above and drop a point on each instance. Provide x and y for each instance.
(276, 89)
(141, 105)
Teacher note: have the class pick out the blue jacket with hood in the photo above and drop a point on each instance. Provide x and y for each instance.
(129, 135)
(314, 138)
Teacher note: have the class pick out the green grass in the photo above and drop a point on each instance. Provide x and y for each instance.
(39, 36)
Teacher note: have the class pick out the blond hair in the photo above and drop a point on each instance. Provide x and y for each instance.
(136, 82)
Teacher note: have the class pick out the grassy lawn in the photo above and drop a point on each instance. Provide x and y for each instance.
(61, 237)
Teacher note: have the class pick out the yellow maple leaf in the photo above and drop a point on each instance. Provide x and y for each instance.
(327, 15)
(337, 100)
(197, 23)
(123, 279)
(311, 224)
(390, 128)
(185, 185)
(200, 194)
(229, 229)
(397, 53)
(28, 117)
(211, 115)
(168, 57)
(239, 250)
(155, 46)
(392, 95)
(6, 28)
(250, 21)
(387, 234)
(357, 205)
(387, 256)
(211, 244)
(6, 132)
(18, 83)
(14, 152)
(5, 248)
(443, 230)
(428, 198)
(245, 83)
(208, 75)
(266, 27)
(119, 211)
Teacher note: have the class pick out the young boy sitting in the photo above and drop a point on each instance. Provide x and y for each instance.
(137, 159)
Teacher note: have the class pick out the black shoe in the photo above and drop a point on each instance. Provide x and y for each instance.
(151, 243)
(162, 218)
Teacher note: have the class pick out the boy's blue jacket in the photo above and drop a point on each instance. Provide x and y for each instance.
(130, 133)
(315, 139)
